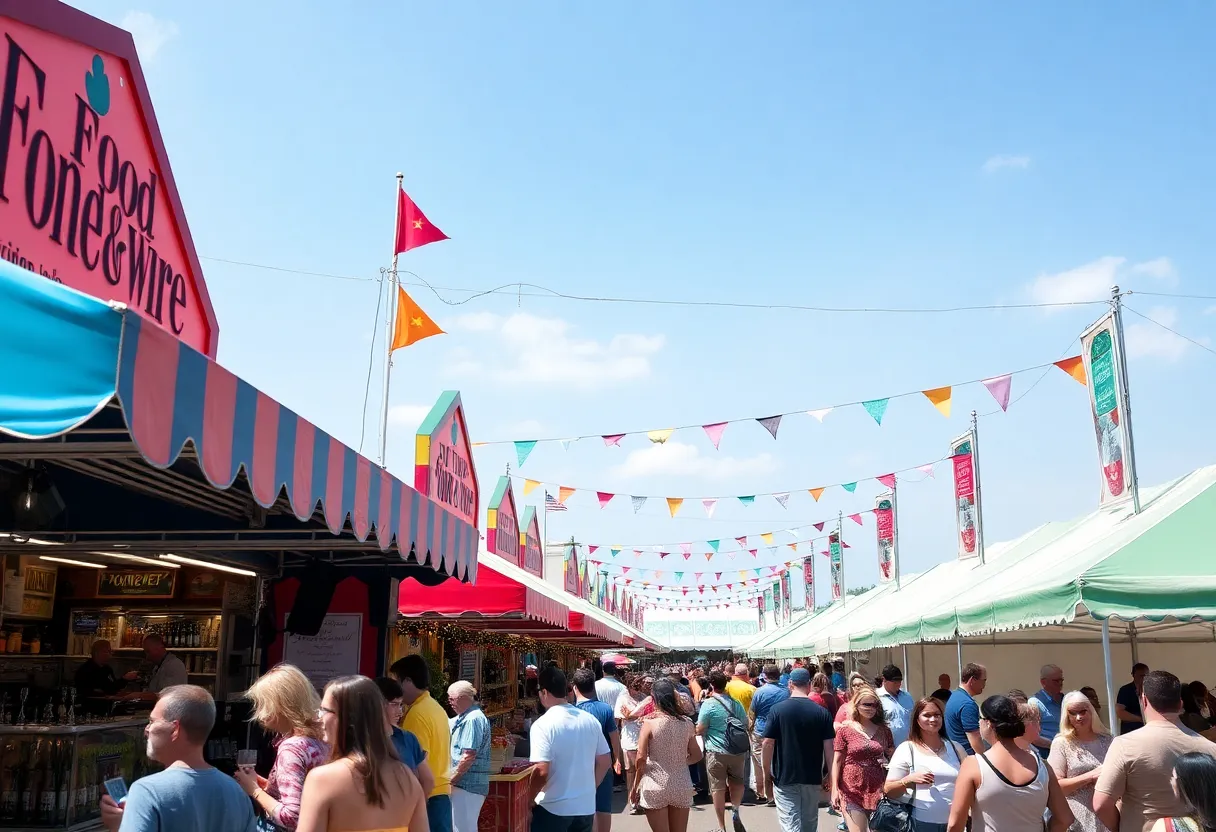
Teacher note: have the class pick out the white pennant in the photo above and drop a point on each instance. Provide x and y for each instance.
(819, 414)
(782, 498)
(566, 443)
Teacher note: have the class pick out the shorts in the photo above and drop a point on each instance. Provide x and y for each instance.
(724, 769)
(603, 793)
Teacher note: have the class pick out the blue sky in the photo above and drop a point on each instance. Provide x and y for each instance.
(908, 155)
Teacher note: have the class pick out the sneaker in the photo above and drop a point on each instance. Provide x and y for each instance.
(772, 801)
(637, 810)
(842, 827)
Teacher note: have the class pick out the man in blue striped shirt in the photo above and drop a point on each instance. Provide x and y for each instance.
(470, 757)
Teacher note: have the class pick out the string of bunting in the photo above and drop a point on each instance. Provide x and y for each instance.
(447, 631)
(941, 398)
(768, 540)
(710, 504)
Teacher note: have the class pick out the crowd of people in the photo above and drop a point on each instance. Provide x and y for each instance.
(381, 755)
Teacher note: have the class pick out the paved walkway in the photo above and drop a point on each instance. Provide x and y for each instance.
(701, 819)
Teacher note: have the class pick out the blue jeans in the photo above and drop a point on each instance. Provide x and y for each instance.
(797, 807)
(439, 813)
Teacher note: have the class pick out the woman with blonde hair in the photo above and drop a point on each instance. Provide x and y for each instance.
(285, 704)
(1077, 754)
(863, 746)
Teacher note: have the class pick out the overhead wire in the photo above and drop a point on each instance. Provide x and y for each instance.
(1170, 330)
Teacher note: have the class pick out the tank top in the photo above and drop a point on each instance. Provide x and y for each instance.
(1004, 806)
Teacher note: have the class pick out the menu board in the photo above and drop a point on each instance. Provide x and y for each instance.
(469, 664)
(332, 652)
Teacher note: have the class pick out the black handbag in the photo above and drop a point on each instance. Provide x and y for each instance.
(892, 815)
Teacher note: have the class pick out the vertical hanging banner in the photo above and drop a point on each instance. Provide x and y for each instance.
(808, 580)
(787, 586)
(777, 618)
(884, 515)
(768, 601)
(836, 555)
(965, 505)
(1100, 353)
(760, 606)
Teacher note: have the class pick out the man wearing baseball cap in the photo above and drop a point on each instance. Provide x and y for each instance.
(798, 740)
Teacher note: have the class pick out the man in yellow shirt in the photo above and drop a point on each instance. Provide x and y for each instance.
(740, 688)
(428, 721)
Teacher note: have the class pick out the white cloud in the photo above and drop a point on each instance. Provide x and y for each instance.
(1006, 162)
(1093, 281)
(1084, 283)
(1147, 340)
(680, 459)
(535, 350)
(150, 33)
(1162, 269)
(407, 415)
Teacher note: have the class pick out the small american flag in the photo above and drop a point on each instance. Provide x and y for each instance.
(551, 504)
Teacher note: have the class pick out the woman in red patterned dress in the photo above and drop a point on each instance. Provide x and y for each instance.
(863, 746)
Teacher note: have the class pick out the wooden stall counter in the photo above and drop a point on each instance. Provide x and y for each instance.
(508, 807)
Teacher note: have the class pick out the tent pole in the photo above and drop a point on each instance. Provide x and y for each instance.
(924, 678)
(1135, 641)
(905, 667)
(1110, 677)
(958, 640)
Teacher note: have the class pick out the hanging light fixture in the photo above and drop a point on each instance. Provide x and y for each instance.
(207, 565)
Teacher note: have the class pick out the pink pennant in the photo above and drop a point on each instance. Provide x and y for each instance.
(591, 549)
(604, 497)
(742, 541)
(686, 548)
(696, 577)
(709, 556)
(730, 586)
(753, 552)
(663, 555)
(927, 468)
(625, 570)
(847, 546)
(999, 387)
(825, 553)
(709, 505)
(856, 518)
(717, 576)
(637, 553)
(818, 527)
(714, 432)
(887, 479)
(613, 440)
(687, 555)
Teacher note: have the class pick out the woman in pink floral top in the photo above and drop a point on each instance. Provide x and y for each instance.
(285, 703)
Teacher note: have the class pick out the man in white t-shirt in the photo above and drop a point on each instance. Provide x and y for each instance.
(571, 757)
(610, 688)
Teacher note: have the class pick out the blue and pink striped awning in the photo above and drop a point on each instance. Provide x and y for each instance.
(62, 346)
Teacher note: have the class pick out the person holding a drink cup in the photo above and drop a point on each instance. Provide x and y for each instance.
(923, 769)
(286, 704)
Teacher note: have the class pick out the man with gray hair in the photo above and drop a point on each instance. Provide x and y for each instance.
(1050, 702)
(470, 756)
(189, 795)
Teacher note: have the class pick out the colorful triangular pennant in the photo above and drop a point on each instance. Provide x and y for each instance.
(613, 440)
(659, 437)
(604, 497)
(638, 502)
(523, 449)
(673, 504)
(940, 397)
(816, 493)
(1074, 367)
(530, 486)
(714, 432)
(1000, 387)
(876, 408)
(771, 423)
(887, 479)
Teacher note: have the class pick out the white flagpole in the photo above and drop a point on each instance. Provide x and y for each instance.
(1117, 305)
(895, 545)
(389, 321)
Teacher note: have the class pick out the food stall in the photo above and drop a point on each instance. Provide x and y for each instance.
(127, 453)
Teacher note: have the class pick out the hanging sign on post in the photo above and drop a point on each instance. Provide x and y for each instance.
(808, 580)
(884, 515)
(966, 508)
(1102, 359)
(836, 556)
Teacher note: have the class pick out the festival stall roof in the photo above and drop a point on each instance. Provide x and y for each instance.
(1153, 566)
(505, 598)
(153, 447)
(791, 641)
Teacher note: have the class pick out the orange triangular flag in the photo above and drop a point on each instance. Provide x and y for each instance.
(563, 493)
(673, 504)
(1074, 367)
(817, 493)
(412, 324)
(940, 396)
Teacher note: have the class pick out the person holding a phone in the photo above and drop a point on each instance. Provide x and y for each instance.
(189, 795)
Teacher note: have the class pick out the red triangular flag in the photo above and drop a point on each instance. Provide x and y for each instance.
(413, 228)
(819, 527)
